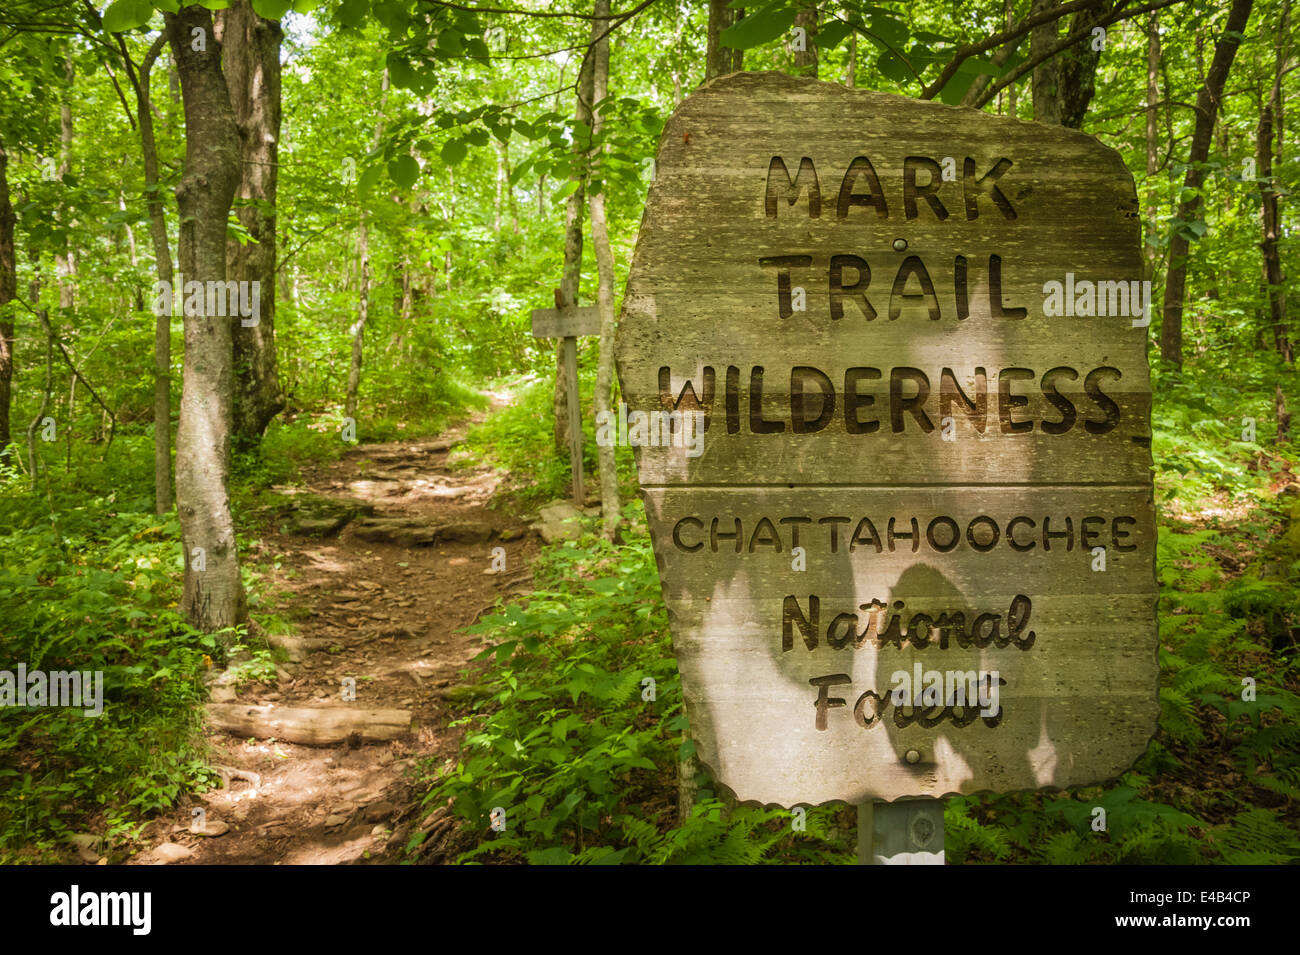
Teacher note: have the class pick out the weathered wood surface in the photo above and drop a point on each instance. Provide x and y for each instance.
(1078, 704)
(566, 323)
(698, 296)
(311, 726)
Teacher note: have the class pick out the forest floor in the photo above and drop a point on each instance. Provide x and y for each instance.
(384, 605)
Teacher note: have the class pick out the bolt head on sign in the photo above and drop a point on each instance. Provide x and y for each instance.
(940, 567)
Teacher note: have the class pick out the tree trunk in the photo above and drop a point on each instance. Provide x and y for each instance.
(1270, 119)
(567, 295)
(720, 60)
(498, 206)
(1077, 73)
(1012, 105)
(8, 292)
(1269, 222)
(363, 281)
(34, 459)
(1207, 110)
(250, 58)
(609, 502)
(363, 315)
(65, 263)
(214, 595)
(805, 60)
(1149, 250)
(162, 337)
(1045, 85)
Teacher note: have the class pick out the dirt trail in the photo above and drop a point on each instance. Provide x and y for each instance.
(381, 604)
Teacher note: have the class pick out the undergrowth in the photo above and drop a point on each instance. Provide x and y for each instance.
(586, 770)
(581, 727)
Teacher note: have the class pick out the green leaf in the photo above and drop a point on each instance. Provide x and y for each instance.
(352, 13)
(393, 15)
(404, 170)
(892, 31)
(454, 151)
(892, 66)
(477, 136)
(369, 178)
(686, 750)
(214, 4)
(125, 15)
(832, 34)
(451, 43)
(305, 6)
(758, 29)
(400, 72)
(272, 9)
(961, 81)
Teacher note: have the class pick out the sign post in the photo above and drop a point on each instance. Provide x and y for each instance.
(568, 324)
(914, 555)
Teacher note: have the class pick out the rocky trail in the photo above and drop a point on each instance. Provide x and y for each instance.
(381, 560)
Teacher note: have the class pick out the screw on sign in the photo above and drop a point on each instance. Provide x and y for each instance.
(944, 631)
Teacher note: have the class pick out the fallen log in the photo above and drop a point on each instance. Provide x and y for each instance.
(309, 725)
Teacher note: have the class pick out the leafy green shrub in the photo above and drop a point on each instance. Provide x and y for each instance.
(564, 741)
(96, 590)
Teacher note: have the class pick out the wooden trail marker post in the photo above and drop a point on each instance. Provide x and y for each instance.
(569, 323)
(915, 554)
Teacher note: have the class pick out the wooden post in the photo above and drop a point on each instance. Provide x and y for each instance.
(575, 417)
(905, 832)
(568, 324)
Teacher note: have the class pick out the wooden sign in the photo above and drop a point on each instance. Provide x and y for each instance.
(569, 323)
(566, 323)
(915, 338)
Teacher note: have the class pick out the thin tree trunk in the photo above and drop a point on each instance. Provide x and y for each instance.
(1207, 110)
(498, 205)
(162, 454)
(8, 293)
(250, 59)
(34, 459)
(1270, 217)
(1045, 85)
(511, 201)
(1011, 90)
(1270, 119)
(609, 502)
(65, 263)
(214, 595)
(567, 294)
(851, 68)
(1150, 253)
(1077, 72)
(720, 60)
(363, 263)
(805, 60)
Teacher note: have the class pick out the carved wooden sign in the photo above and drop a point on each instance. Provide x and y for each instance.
(912, 551)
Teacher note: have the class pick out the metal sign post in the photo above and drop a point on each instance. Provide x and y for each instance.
(906, 832)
